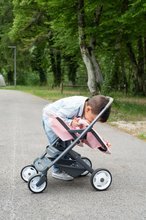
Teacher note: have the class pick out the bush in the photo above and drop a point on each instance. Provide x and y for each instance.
(28, 78)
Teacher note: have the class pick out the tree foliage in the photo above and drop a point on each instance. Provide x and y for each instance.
(54, 38)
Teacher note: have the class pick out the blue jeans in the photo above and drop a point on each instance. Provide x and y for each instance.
(51, 137)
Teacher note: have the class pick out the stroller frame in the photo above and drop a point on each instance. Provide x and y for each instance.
(62, 154)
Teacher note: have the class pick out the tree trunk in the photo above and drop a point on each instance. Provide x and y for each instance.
(36, 64)
(42, 76)
(138, 66)
(144, 85)
(56, 66)
(72, 68)
(58, 74)
(93, 71)
(87, 51)
(55, 57)
(140, 69)
(134, 65)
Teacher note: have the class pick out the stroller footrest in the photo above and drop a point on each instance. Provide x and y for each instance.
(41, 164)
(52, 151)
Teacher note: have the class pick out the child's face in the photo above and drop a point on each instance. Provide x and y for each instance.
(88, 115)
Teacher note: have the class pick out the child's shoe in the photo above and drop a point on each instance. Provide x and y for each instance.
(61, 175)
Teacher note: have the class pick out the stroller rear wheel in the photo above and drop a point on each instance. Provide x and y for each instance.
(101, 179)
(88, 162)
(27, 172)
(32, 184)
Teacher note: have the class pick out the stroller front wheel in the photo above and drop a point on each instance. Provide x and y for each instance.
(27, 172)
(34, 186)
(101, 179)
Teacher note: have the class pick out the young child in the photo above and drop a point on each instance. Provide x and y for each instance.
(70, 109)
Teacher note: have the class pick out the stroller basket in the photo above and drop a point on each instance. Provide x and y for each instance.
(71, 167)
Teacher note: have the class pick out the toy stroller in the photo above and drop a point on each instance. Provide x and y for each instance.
(62, 154)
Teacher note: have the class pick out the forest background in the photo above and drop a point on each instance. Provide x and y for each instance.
(94, 46)
(101, 44)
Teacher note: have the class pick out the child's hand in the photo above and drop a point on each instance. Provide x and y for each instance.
(75, 122)
(79, 123)
(108, 144)
(83, 122)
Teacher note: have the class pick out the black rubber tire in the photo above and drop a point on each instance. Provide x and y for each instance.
(101, 179)
(85, 173)
(31, 172)
(32, 184)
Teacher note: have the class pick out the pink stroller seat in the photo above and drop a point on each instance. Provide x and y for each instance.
(66, 132)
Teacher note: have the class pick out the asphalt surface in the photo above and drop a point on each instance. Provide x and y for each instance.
(22, 139)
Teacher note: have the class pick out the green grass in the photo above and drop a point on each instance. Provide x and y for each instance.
(123, 108)
(49, 93)
(126, 110)
(142, 136)
(130, 109)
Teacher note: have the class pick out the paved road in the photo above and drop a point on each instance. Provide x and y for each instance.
(22, 140)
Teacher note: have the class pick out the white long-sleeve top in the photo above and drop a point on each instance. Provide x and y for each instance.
(66, 108)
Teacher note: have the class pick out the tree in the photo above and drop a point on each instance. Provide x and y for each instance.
(108, 37)
(67, 26)
(6, 19)
(123, 31)
(87, 46)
